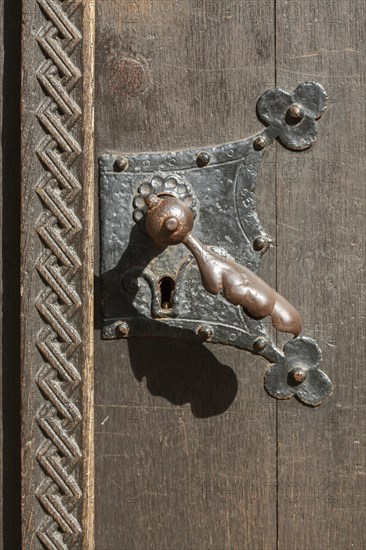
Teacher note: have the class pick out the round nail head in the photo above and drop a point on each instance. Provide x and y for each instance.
(294, 114)
(298, 374)
(202, 159)
(120, 164)
(205, 332)
(259, 344)
(260, 243)
(260, 143)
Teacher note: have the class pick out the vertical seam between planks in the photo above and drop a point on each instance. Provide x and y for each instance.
(276, 278)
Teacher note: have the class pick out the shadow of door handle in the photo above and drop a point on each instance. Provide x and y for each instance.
(170, 222)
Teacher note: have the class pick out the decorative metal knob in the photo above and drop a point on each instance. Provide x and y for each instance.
(170, 222)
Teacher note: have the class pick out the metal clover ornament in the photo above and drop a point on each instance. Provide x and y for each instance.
(292, 117)
(297, 373)
(182, 242)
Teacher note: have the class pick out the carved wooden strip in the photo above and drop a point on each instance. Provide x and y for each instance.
(57, 256)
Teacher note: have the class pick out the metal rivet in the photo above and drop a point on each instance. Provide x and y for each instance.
(261, 243)
(171, 224)
(260, 143)
(205, 332)
(202, 159)
(259, 344)
(294, 114)
(298, 374)
(122, 329)
(120, 164)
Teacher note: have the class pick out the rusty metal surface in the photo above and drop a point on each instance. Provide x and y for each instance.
(216, 184)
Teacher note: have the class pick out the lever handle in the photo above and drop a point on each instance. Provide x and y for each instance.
(170, 222)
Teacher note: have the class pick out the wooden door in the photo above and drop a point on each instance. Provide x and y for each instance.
(164, 444)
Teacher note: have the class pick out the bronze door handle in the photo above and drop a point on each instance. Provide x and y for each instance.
(170, 222)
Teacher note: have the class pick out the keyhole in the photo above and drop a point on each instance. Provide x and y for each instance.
(166, 285)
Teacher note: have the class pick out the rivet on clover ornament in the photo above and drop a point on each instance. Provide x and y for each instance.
(182, 244)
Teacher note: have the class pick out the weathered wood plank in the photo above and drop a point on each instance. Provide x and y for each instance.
(56, 269)
(321, 264)
(185, 434)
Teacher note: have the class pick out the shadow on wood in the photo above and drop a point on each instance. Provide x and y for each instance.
(180, 371)
(10, 140)
(183, 374)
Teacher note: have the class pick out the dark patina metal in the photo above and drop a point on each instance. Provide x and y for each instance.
(157, 210)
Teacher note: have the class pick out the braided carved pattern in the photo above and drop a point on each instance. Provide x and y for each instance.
(59, 266)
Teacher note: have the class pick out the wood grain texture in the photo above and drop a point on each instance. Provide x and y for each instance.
(321, 261)
(188, 451)
(88, 275)
(56, 285)
(185, 434)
